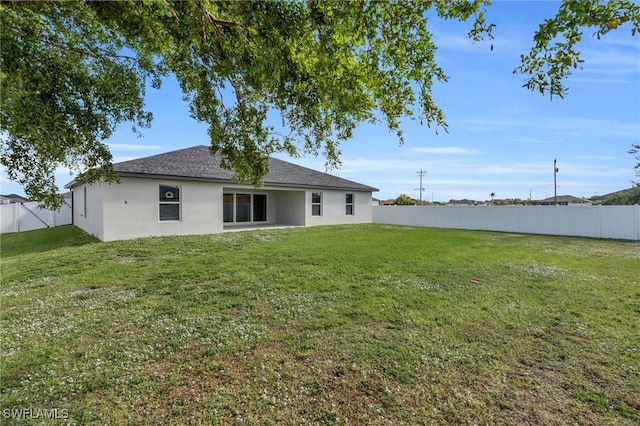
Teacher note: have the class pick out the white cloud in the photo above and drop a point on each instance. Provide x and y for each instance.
(482, 124)
(613, 58)
(362, 165)
(133, 147)
(459, 42)
(120, 158)
(444, 150)
(565, 127)
(63, 171)
(600, 80)
(536, 140)
(456, 42)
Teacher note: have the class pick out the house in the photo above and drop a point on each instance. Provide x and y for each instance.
(12, 198)
(463, 202)
(561, 200)
(186, 192)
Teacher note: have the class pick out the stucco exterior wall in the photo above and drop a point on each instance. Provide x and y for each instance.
(88, 213)
(334, 208)
(290, 207)
(130, 209)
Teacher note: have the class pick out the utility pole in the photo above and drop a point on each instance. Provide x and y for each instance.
(421, 173)
(555, 192)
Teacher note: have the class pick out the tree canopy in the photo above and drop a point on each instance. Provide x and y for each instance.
(628, 197)
(405, 200)
(71, 72)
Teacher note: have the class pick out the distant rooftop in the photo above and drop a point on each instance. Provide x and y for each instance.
(14, 198)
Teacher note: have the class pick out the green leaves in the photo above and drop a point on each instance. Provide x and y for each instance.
(72, 72)
(65, 87)
(404, 200)
(554, 55)
(324, 67)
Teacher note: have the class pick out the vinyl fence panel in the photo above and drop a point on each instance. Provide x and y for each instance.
(20, 217)
(620, 222)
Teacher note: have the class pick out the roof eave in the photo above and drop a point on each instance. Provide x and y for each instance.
(234, 182)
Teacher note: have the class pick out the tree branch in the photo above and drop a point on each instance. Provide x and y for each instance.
(87, 51)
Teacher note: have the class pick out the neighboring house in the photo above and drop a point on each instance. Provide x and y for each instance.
(463, 202)
(12, 198)
(186, 192)
(561, 200)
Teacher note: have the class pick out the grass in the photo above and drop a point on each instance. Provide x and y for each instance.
(366, 324)
(30, 242)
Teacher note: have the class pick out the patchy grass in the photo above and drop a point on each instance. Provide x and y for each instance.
(362, 324)
(42, 240)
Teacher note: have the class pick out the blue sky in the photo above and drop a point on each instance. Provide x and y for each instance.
(502, 138)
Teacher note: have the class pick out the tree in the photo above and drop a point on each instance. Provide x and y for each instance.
(71, 72)
(630, 196)
(405, 200)
(635, 149)
(513, 202)
(627, 197)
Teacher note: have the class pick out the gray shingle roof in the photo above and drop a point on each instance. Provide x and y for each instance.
(564, 199)
(197, 163)
(15, 198)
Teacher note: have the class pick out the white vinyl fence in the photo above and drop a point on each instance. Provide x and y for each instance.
(620, 222)
(18, 217)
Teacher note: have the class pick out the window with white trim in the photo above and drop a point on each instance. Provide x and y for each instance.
(316, 204)
(349, 205)
(169, 203)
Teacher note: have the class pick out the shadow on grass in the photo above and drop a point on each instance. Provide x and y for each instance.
(41, 240)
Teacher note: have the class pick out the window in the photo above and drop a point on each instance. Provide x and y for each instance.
(349, 205)
(169, 201)
(316, 204)
(244, 208)
(85, 202)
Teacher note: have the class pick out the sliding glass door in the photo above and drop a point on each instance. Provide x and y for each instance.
(244, 208)
(227, 205)
(259, 207)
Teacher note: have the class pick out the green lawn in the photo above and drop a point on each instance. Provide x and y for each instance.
(367, 324)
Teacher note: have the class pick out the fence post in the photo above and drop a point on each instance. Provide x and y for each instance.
(637, 220)
(600, 220)
(18, 211)
(14, 218)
